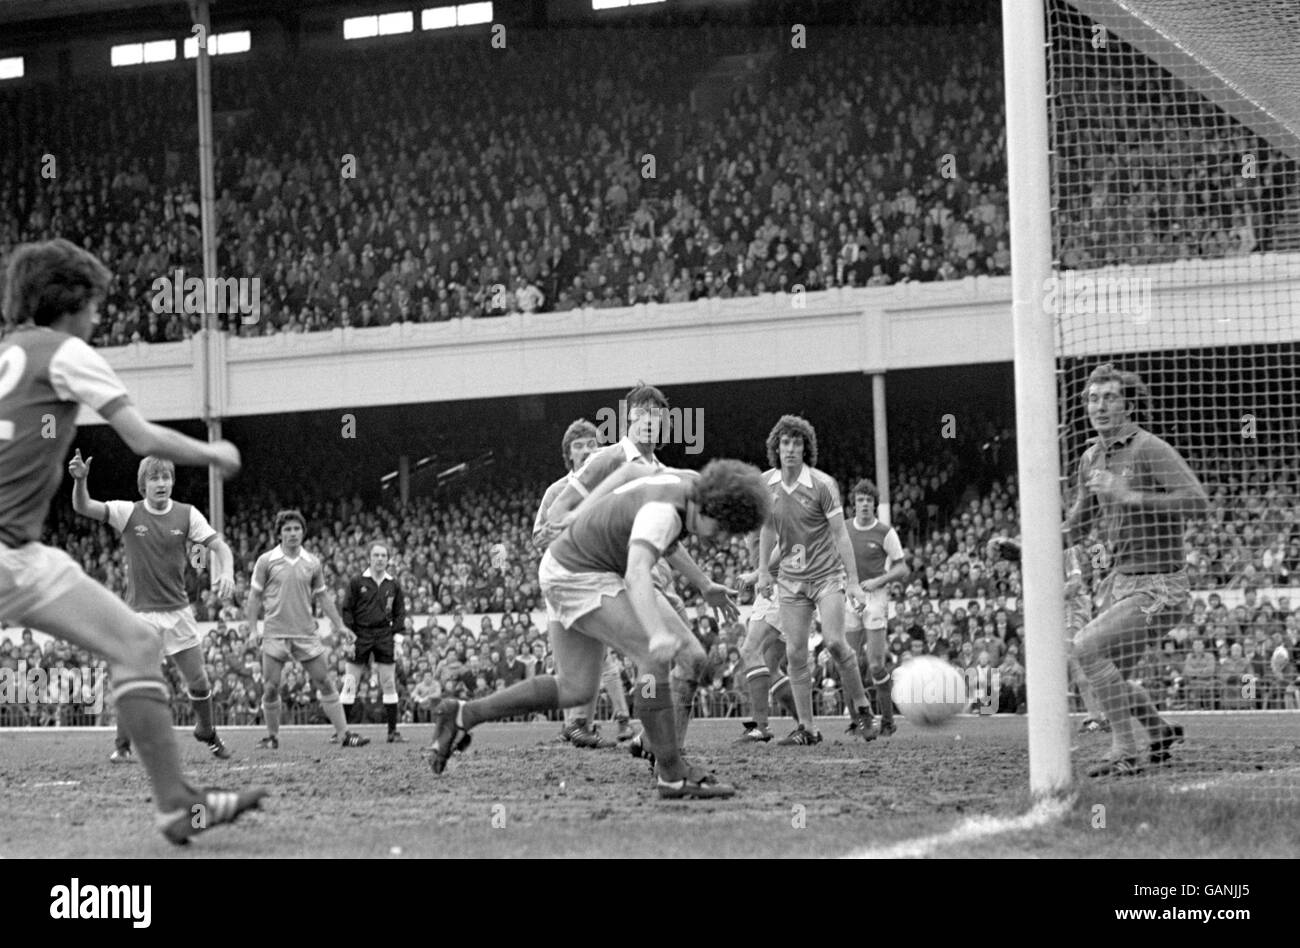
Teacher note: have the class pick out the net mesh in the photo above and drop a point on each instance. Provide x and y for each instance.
(1176, 244)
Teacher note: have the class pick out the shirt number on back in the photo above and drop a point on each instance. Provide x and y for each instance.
(12, 364)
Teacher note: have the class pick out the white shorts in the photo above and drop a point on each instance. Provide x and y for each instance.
(766, 610)
(874, 616)
(571, 595)
(32, 576)
(178, 629)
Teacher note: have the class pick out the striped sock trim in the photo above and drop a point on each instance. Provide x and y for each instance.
(756, 673)
(778, 683)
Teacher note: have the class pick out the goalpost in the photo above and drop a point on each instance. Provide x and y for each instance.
(1152, 151)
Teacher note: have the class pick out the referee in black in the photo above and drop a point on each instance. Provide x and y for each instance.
(375, 610)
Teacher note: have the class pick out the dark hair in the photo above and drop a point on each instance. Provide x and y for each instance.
(792, 425)
(865, 486)
(44, 281)
(286, 516)
(643, 394)
(1132, 388)
(732, 492)
(581, 428)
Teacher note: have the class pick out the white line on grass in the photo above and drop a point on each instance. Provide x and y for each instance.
(975, 828)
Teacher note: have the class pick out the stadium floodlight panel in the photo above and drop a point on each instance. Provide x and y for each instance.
(437, 18)
(467, 14)
(160, 51)
(391, 24)
(607, 4)
(11, 68)
(221, 44)
(128, 54)
(360, 27)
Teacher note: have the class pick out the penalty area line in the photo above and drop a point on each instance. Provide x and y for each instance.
(970, 830)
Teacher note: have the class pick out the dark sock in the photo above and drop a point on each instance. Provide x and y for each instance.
(783, 694)
(349, 711)
(143, 709)
(202, 704)
(884, 689)
(1144, 710)
(122, 742)
(683, 694)
(758, 680)
(660, 729)
(540, 693)
(390, 715)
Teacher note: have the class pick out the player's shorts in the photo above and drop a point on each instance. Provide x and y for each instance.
(766, 610)
(32, 576)
(874, 616)
(379, 644)
(809, 592)
(1163, 597)
(177, 627)
(571, 595)
(298, 650)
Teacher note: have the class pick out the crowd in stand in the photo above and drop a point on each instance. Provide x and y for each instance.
(568, 171)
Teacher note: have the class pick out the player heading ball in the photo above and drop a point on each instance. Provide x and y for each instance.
(596, 577)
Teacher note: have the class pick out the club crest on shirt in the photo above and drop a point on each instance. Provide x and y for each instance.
(141, 529)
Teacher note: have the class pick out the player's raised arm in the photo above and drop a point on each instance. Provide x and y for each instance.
(145, 438)
(82, 502)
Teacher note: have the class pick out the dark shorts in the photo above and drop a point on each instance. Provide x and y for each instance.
(378, 644)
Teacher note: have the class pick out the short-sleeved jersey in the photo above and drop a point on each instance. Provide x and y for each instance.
(802, 517)
(649, 510)
(156, 546)
(1139, 541)
(874, 548)
(287, 588)
(44, 375)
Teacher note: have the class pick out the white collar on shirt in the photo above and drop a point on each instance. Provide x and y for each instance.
(369, 574)
(805, 478)
(632, 451)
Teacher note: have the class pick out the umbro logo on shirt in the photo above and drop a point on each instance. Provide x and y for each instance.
(177, 533)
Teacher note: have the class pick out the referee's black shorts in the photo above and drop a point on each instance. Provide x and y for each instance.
(374, 642)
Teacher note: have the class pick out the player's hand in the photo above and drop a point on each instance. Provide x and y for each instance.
(345, 636)
(871, 585)
(858, 597)
(723, 599)
(78, 468)
(224, 456)
(224, 587)
(747, 579)
(764, 584)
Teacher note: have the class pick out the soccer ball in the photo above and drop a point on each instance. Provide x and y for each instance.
(928, 690)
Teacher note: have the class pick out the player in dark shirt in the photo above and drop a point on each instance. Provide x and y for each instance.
(1138, 491)
(596, 577)
(375, 610)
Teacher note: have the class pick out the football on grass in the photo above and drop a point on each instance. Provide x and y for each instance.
(928, 690)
